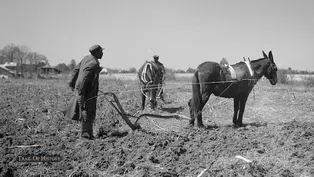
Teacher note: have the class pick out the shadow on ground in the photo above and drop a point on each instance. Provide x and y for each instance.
(173, 109)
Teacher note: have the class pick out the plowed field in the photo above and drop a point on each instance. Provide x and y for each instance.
(278, 136)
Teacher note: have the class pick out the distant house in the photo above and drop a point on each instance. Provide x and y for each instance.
(104, 71)
(48, 70)
(11, 65)
(8, 69)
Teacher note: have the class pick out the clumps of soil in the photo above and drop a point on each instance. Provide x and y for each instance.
(32, 117)
(106, 131)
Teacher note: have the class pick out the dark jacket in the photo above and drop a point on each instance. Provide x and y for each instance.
(160, 66)
(161, 69)
(85, 77)
(85, 81)
(72, 111)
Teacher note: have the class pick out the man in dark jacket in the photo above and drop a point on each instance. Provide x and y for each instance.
(85, 82)
(162, 79)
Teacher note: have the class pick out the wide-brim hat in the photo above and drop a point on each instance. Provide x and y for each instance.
(95, 48)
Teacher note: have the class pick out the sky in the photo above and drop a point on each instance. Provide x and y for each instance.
(184, 33)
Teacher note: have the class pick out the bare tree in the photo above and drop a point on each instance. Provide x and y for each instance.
(10, 52)
(72, 65)
(132, 70)
(14, 53)
(1, 57)
(190, 70)
(63, 67)
(24, 58)
(21, 57)
(36, 60)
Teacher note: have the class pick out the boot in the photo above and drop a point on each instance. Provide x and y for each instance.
(87, 130)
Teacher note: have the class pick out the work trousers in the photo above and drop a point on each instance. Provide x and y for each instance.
(87, 116)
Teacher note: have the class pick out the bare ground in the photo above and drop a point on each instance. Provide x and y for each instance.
(278, 136)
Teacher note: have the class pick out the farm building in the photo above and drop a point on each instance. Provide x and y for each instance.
(47, 70)
(104, 71)
(8, 69)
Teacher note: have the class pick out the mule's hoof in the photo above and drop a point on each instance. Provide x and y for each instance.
(239, 124)
(200, 125)
(235, 125)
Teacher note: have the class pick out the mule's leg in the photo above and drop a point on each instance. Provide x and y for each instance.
(190, 108)
(153, 99)
(197, 113)
(236, 104)
(162, 96)
(191, 113)
(192, 121)
(143, 101)
(161, 92)
(205, 97)
(153, 104)
(243, 100)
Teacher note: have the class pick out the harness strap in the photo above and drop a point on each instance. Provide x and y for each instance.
(232, 72)
(248, 64)
(143, 75)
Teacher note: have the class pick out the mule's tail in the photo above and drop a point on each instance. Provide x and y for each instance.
(196, 95)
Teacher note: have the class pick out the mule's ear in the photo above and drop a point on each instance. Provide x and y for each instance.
(264, 54)
(244, 59)
(249, 59)
(258, 69)
(271, 57)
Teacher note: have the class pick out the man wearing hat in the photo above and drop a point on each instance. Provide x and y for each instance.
(85, 82)
(163, 72)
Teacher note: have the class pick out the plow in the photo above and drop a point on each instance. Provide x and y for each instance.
(115, 103)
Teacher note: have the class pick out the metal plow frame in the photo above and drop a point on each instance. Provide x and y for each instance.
(115, 103)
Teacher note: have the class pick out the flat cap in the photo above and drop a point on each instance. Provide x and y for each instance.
(155, 56)
(95, 48)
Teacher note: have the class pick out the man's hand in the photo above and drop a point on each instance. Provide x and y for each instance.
(82, 102)
(72, 86)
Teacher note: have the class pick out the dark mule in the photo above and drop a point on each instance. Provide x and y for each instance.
(149, 76)
(209, 78)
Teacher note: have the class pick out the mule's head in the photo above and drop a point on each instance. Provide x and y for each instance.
(271, 69)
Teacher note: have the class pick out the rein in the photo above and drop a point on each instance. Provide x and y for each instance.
(160, 90)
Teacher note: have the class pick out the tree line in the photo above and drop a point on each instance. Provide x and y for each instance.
(295, 71)
(66, 68)
(29, 62)
(26, 60)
